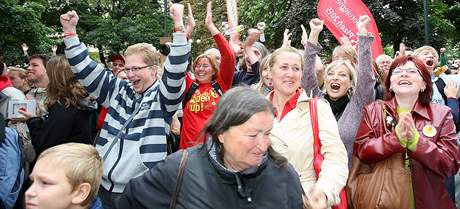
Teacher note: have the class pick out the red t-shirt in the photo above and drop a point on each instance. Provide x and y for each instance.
(203, 102)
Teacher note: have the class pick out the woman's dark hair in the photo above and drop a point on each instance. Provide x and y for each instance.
(423, 97)
(236, 107)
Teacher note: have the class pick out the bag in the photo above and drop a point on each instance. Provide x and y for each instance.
(317, 156)
(180, 174)
(172, 143)
(384, 184)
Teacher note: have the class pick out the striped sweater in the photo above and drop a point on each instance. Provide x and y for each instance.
(142, 143)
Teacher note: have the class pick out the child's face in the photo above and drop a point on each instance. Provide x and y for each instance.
(50, 188)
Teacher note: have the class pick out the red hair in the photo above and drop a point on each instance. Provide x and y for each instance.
(423, 97)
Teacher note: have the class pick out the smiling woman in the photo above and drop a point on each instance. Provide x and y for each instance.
(420, 133)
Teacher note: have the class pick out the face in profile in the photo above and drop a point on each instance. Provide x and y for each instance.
(36, 70)
(245, 145)
(17, 81)
(50, 188)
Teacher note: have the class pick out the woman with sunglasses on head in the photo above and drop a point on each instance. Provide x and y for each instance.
(202, 94)
(345, 94)
(423, 132)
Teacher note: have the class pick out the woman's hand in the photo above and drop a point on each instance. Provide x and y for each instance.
(316, 26)
(26, 115)
(286, 38)
(317, 199)
(451, 90)
(406, 127)
(304, 39)
(363, 25)
(176, 11)
(191, 21)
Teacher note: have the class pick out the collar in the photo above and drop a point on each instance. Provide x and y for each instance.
(290, 104)
(155, 85)
(419, 108)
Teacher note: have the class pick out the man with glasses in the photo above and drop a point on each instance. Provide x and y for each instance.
(133, 136)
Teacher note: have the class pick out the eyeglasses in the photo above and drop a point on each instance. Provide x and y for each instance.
(410, 71)
(202, 66)
(135, 69)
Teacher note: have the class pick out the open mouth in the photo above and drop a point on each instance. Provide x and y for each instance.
(136, 82)
(429, 62)
(335, 86)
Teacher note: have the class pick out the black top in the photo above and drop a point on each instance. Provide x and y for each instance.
(62, 125)
(207, 184)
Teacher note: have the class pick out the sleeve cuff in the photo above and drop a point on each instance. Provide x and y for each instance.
(179, 39)
(402, 141)
(412, 145)
(71, 41)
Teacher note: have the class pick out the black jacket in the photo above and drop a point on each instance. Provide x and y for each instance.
(207, 184)
(62, 125)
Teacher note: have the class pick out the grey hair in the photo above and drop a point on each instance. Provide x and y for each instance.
(236, 107)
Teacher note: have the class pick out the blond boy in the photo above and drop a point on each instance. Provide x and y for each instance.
(66, 176)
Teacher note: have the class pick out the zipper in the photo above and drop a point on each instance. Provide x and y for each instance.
(115, 165)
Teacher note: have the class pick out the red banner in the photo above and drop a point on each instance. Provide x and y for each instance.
(341, 16)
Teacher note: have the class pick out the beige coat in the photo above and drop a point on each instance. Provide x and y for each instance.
(292, 138)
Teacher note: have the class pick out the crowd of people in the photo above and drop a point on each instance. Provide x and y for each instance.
(239, 126)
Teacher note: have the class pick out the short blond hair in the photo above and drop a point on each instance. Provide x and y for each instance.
(418, 51)
(22, 73)
(81, 164)
(149, 53)
(347, 63)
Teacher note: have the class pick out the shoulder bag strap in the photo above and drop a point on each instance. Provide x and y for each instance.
(316, 141)
(180, 174)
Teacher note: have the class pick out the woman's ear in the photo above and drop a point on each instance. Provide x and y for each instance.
(221, 138)
(81, 193)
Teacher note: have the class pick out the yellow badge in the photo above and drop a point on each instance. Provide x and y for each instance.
(429, 131)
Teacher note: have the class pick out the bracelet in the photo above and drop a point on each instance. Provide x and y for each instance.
(68, 34)
(179, 28)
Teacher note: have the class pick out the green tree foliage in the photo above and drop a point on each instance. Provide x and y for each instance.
(21, 24)
(111, 25)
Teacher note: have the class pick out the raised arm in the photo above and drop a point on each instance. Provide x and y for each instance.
(309, 82)
(364, 93)
(253, 36)
(99, 83)
(227, 65)
(171, 88)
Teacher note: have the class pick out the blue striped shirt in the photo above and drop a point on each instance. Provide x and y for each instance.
(142, 143)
